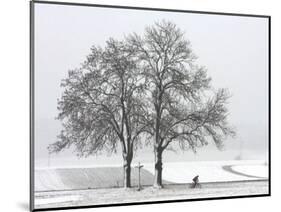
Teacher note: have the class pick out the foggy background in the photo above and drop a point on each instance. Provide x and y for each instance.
(234, 50)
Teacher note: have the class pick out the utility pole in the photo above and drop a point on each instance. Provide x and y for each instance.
(139, 168)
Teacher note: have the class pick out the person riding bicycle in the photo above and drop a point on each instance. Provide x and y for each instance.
(196, 181)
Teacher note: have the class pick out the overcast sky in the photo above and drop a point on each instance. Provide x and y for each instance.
(234, 50)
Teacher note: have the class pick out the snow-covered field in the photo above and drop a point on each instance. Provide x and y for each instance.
(255, 169)
(50, 179)
(86, 178)
(92, 185)
(213, 171)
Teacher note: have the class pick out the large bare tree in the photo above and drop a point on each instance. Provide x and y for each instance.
(101, 105)
(177, 93)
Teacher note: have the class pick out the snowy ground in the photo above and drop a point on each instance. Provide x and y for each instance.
(169, 192)
(212, 171)
(59, 187)
(51, 179)
(253, 170)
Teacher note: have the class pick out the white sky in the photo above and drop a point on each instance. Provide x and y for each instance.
(234, 50)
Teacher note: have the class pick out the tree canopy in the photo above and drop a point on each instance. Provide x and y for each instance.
(177, 92)
(101, 104)
(149, 86)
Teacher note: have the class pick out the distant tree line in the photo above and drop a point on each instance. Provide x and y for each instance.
(145, 87)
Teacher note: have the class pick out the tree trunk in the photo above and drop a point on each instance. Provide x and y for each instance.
(158, 169)
(127, 172)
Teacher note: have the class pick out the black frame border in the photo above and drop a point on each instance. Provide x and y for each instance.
(31, 103)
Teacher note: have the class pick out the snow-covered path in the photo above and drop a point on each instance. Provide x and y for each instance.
(170, 192)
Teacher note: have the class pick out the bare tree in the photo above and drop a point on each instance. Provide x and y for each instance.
(101, 105)
(176, 93)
